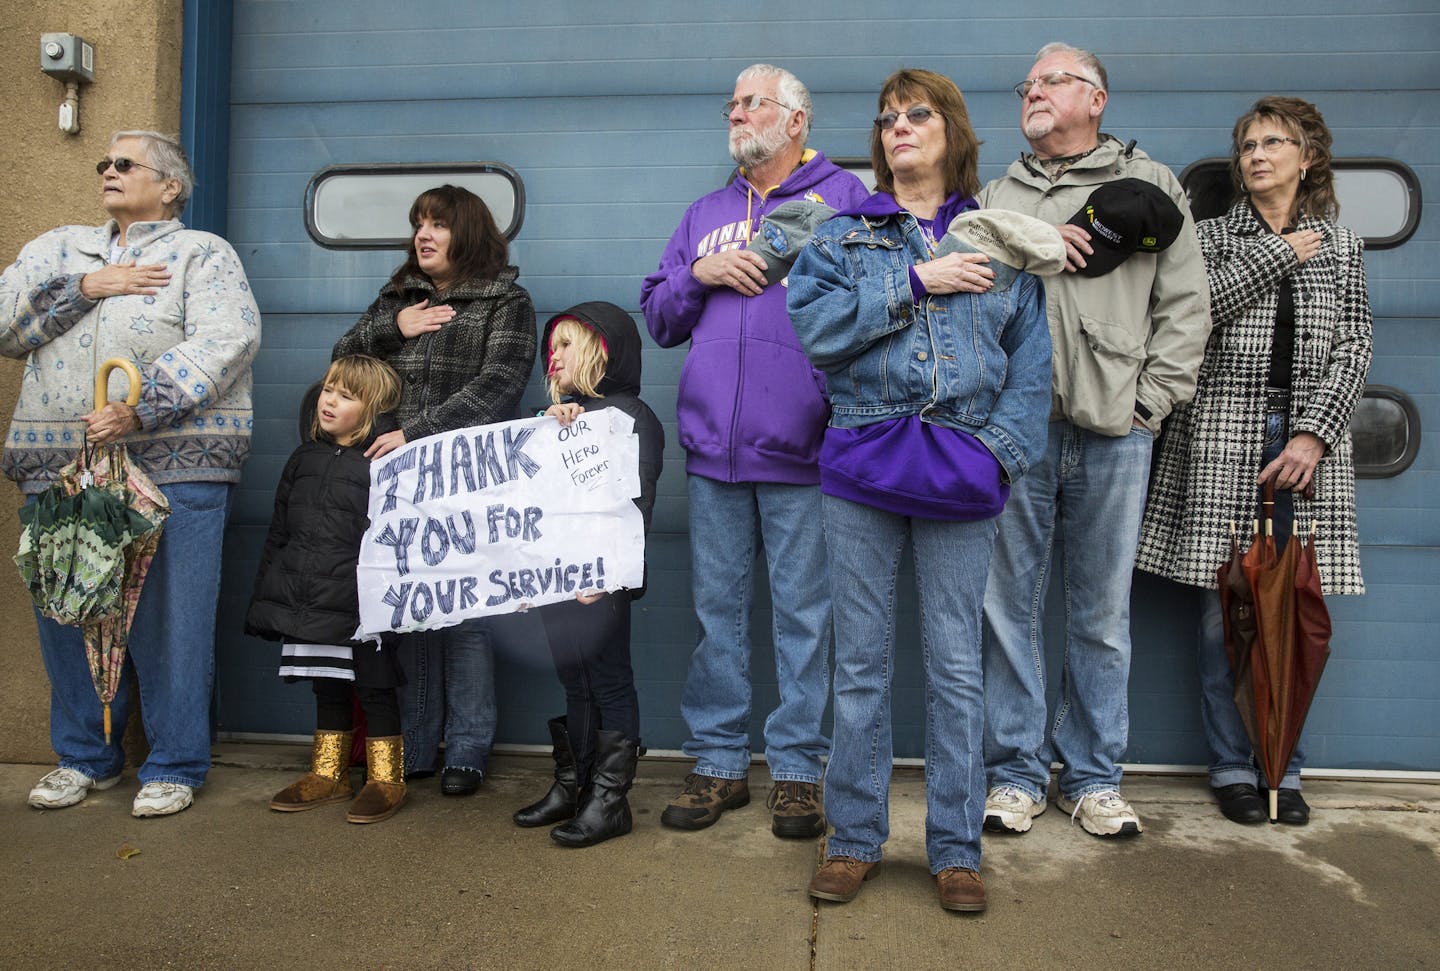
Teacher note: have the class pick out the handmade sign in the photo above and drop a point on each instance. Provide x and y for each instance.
(499, 518)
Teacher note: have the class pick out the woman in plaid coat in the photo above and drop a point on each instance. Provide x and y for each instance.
(461, 333)
(1284, 366)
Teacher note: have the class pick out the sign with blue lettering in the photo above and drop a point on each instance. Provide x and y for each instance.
(499, 518)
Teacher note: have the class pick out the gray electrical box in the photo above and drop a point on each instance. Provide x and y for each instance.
(67, 57)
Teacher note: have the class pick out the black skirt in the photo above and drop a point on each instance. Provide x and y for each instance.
(363, 664)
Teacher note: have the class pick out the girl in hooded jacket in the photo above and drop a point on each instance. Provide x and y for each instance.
(592, 361)
(305, 592)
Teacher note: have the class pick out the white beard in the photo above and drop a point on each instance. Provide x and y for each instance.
(761, 146)
(1038, 125)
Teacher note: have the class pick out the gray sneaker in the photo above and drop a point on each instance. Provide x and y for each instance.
(1104, 813)
(65, 787)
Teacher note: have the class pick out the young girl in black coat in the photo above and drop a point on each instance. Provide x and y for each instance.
(305, 592)
(592, 358)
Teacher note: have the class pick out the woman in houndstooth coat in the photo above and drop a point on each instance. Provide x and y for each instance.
(1285, 364)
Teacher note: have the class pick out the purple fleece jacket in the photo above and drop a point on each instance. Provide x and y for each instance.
(750, 407)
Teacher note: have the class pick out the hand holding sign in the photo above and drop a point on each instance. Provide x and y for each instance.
(499, 518)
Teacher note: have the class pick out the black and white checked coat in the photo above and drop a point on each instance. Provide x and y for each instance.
(1210, 450)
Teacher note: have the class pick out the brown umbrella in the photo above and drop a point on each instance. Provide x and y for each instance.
(1237, 611)
(1289, 652)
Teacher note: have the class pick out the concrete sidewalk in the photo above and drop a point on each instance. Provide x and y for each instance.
(453, 883)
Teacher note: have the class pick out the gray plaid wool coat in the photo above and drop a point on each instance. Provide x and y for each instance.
(472, 371)
(1210, 449)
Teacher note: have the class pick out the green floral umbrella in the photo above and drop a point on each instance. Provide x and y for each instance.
(72, 547)
(86, 544)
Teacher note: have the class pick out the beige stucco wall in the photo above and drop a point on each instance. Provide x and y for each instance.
(50, 181)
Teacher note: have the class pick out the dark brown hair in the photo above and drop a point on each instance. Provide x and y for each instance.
(962, 148)
(1316, 195)
(477, 249)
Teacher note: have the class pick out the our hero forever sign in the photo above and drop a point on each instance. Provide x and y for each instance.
(499, 518)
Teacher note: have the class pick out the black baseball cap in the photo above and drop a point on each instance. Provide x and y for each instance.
(1123, 217)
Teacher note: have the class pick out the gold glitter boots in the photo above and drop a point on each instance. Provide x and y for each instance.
(384, 791)
(328, 779)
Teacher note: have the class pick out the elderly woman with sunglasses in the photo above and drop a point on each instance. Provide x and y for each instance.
(939, 374)
(175, 302)
(1284, 367)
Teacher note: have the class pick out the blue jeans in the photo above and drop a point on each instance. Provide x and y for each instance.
(950, 566)
(449, 695)
(1092, 489)
(727, 520)
(1232, 759)
(171, 650)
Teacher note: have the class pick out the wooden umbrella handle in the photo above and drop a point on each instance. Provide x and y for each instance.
(102, 381)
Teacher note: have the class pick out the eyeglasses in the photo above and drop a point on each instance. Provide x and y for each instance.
(1271, 144)
(917, 115)
(1054, 79)
(123, 165)
(752, 103)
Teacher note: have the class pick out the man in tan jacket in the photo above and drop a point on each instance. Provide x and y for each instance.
(1128, 319)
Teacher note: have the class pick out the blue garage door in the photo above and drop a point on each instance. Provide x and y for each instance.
(611, 116)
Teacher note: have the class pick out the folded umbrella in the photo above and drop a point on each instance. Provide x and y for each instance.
(87, 542)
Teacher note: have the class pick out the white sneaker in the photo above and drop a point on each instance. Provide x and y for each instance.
(1104, 813)
(65, 787)
(162, 799)
(1010, 810)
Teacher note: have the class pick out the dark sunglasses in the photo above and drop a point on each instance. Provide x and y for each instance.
(918, 115)
(123, 165)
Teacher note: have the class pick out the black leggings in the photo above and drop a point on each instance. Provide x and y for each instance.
(590, 644)
(334, 711)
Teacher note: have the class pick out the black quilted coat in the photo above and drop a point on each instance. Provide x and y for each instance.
(305, 588)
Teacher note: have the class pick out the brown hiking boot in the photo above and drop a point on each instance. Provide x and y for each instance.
(702, 801)
(961, 889)
(839, 879)
(795, 810)
(327, 781)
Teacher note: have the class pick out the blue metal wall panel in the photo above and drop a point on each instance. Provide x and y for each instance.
(611, 116)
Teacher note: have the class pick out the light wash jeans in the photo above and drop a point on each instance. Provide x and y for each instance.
(448, 695)
(1232, 760)
(727, 521)
(1091, 488)
(171, 650)
(950, 567)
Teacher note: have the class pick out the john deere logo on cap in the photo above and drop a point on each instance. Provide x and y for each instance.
(1148, 242)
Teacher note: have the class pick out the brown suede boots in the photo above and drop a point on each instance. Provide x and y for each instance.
(327, 781)
(384, 791)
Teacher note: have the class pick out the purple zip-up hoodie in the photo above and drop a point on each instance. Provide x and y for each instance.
(750, 408)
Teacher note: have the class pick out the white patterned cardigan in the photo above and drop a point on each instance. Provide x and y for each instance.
(193, 343)
(1210, 449)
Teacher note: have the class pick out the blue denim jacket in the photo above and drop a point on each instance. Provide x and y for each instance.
(978, 362)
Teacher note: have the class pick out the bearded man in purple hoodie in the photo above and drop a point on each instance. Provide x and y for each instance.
(751, 415)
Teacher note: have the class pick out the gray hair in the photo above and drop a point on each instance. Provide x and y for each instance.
(1088, 62)
(167, 156)
(792, 92)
